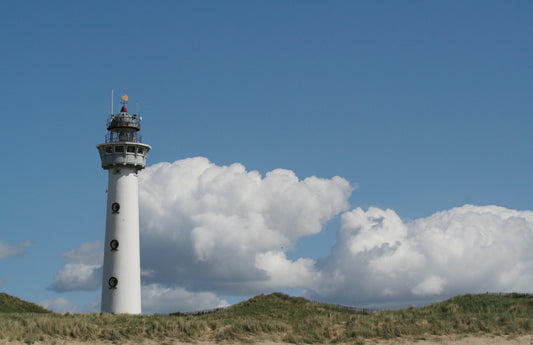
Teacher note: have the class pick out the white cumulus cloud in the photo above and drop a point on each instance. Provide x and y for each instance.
(89, 253)
(286, 273)
(378, 258)
(218, 228)
(83, 270)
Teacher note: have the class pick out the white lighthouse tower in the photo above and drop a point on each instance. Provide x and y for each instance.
(123, 155)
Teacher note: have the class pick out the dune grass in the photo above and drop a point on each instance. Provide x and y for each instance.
(280, 318)
(10, 304)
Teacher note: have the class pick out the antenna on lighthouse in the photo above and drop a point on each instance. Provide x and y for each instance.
(111, 101)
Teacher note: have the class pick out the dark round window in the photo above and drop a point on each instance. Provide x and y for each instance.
(115, 207)
(113, 244)
(113, 282)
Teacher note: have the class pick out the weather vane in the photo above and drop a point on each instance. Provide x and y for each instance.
(125, 97)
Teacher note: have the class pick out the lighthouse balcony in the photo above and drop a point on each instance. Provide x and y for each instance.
(124, 136)
(123, 153)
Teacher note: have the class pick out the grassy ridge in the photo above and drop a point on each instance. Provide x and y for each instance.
(10, 304)
(278, 317)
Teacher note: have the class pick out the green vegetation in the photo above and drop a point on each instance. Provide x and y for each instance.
(10, 304)
(278, 317)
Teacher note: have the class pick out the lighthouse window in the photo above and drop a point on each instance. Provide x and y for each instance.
(131, 149)
(119, 148)
(140, 150)
(109, 149)
(113, 282)
(114, 245)
(115, 207)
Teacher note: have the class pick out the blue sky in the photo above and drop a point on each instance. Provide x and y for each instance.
(421, 106)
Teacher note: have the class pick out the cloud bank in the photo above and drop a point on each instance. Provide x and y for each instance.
(209, 231)
(380, 259)
(224, 229)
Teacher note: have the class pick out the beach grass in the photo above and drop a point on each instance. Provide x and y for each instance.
(280, 318)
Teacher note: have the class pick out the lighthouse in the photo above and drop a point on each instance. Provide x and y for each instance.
(123, 154)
